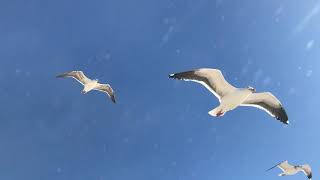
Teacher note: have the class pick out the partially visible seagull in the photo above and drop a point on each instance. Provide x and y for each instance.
(288, 169)
(231, 97)
(89, 84)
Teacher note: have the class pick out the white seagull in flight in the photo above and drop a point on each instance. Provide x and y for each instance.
(231, 97)
(288, 169)
(89, 84)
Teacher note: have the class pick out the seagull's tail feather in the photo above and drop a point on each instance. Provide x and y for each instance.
(216, 112)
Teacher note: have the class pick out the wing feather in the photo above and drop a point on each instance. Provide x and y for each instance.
(267, 102)
(307, 171)
(284, 166)
(280, 165)
(77, 75)
(106, 88)
(212, 79)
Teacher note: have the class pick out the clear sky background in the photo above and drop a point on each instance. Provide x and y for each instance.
(159, 129)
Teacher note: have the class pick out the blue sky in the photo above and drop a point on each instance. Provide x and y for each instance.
(160, 128)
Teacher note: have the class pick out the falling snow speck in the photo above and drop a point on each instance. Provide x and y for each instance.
(173, 163)
(126, 140)
(266, 81)
(18, 71)
(156, 146)
(279, 11)
(309, 73)
(310, 45)
(292, 91)
(222, 18)
(59, 170)
(279, 84)
(190, 140)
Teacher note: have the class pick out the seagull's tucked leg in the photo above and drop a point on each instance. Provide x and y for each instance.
(220, 113)
(85, 90)
(217, 112)
(282, 174)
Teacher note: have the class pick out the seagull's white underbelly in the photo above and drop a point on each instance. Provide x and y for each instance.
(89, 86)
(292, 171)
(233, 100)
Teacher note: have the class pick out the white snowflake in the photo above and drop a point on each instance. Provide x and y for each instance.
(310, 45)
(309, 73)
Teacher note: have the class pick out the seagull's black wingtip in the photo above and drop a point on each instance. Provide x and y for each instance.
(286, 122)
(282, 116)
(61, 75)
(113, 99)
(171, 76)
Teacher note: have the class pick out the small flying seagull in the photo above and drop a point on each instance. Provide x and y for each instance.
(89, 84)
(288, 169)
(231, 97)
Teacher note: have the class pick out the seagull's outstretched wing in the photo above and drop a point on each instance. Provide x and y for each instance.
(77, 75)
(106, 88)
(307, 171)
(212, 79)
(267, 102)
(283, 165)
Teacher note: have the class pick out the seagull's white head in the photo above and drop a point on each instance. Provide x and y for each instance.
(253, 90)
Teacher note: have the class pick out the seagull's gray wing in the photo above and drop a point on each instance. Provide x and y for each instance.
(307, 171)
(267, 102)
(212, 79)
(284, 166)
(284, 163)
(77, 75)
(106, 88)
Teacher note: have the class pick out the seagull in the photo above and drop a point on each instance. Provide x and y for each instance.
(89, 84)
(231, 97)
(288, 169)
